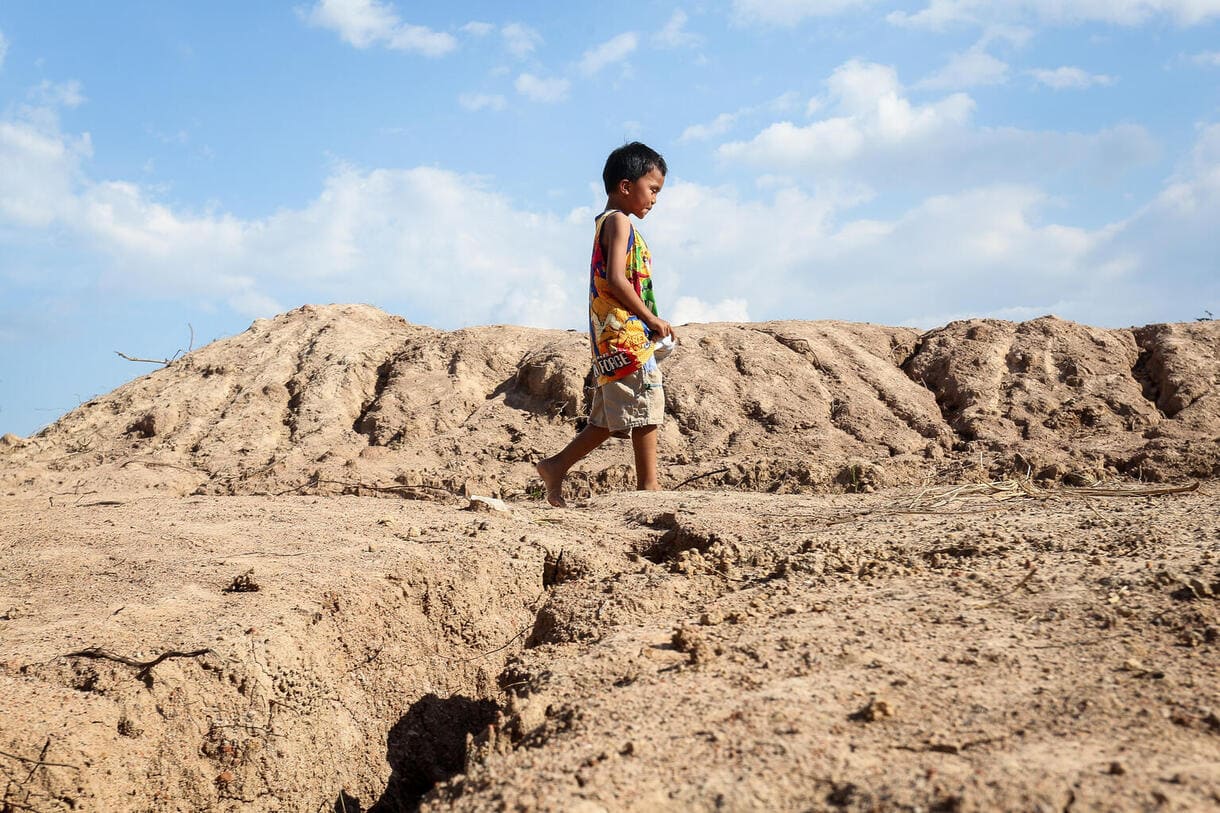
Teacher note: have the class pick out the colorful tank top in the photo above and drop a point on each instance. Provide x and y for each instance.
(620, 341)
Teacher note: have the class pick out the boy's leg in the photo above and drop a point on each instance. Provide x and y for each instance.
(644, 444)
(553, 469)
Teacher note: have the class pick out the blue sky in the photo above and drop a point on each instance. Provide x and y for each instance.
(172, 164)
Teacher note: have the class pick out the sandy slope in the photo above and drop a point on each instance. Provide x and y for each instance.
(806, 628)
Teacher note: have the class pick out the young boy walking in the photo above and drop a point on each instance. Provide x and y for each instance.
(624, 328)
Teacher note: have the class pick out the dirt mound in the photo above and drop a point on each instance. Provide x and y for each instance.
(1142, 402)
(349, 399)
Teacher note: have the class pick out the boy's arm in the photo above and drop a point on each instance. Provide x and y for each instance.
(616, 231)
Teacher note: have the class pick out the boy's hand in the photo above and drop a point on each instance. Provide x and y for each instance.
(659, 328)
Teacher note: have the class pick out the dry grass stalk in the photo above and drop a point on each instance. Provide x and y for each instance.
(1024, 488)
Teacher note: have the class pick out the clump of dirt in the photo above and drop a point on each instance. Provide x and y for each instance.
(349, 399)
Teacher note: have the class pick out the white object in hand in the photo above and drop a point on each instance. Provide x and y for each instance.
(663, 348)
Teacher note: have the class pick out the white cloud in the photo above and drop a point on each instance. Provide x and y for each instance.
(482, 101)
(476, 28)
(973, 251)
(540, 89)
(1015, 35)
(674, 34)
(1164, 254)
(39, 169)
(873, 112)
(692, 309)
(58, 94)
(1206, 59)
(1070, 78)
(363, 23)
(716, 127)
(782, 104)
(871, 132)
(939, 14)
(359, 22)
(990, 249)
(970, 68)
(615, 49)
(441, 244)
(520, 40)
(790, 12)
(448, 249)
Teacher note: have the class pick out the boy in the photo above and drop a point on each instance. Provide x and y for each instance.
(623, 325)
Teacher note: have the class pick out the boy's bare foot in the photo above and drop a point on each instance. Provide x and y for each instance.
(553, 480)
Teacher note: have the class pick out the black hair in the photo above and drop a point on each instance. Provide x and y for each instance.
(631, 162)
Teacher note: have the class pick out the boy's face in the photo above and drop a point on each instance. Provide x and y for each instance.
(640, 195)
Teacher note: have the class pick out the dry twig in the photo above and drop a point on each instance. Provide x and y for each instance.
(157, 464)
(162, 362)
(699, 477)
(1024, 488)
(145, 667)
(41, 761)
(397, 489)
(1024, 581)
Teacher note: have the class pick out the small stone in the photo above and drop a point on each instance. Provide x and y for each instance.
(876, 709)
(711, 618)
(479, 503)
(1116, 769)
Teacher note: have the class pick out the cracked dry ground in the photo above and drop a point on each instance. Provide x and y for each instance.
(685, 651)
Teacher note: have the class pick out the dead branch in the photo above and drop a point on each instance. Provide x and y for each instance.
(1024, 488)
(78, 494)
(699, 477)
(155, 464)
(1024, 581)
(40, 762)
(396, 489)
(145, 667)
(535, 604)
(163, 362)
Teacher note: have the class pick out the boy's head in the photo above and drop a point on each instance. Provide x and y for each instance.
(631, 162)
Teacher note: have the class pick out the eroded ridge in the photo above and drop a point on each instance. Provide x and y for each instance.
(349, 399)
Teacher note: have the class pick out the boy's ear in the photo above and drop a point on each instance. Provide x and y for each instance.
(624, 187)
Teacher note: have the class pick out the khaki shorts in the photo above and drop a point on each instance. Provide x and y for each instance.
(634, 400)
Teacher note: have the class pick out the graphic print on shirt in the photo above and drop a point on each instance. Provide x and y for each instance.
(620, 341)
